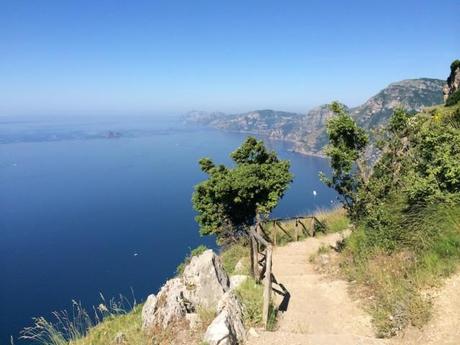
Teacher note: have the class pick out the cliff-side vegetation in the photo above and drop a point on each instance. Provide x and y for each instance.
(407, 215)
(453, 99)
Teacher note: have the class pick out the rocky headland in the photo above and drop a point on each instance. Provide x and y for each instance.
(307, 132)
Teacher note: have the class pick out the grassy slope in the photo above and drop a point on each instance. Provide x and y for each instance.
(105, 332)
(412, 249)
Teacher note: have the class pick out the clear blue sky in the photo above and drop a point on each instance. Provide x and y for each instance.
(102, 57)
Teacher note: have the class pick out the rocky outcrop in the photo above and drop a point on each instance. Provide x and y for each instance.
(168, 306)
(227, 328)
(411, 94)
(453, 81)
(202, 285)
(205, 280)
(148, 312)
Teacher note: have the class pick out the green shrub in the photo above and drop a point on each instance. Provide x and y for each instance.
(454, 65)
(453, 99)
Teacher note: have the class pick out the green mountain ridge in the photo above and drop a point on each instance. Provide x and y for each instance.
(307, 132)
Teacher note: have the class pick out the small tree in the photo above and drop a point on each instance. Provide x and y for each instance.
(231, 199)
(347, 142)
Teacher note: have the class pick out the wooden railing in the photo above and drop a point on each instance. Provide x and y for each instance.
(308, 226)
(262, 252)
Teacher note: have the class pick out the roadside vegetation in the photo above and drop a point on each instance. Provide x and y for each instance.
(406, 211)
(99, 326)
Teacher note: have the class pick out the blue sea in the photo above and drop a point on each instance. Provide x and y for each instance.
(104, 206)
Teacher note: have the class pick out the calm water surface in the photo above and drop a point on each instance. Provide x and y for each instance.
(81, 214)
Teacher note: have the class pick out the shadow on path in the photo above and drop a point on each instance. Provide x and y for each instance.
(286, 297)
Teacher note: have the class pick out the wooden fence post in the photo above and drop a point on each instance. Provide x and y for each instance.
(255, 259)
(251, 259)
(296, 230)
(267, 285)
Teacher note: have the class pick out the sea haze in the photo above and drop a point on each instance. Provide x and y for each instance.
(89, 207)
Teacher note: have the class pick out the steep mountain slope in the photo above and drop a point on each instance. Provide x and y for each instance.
(308, 131)
(412, 95)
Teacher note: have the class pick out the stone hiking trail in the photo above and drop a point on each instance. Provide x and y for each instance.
(321, 312)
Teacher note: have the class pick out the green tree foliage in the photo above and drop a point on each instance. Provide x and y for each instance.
(453, 99)
(347, 142)
(398, 122)
(454, 65)
(418, 167)
(229, 201)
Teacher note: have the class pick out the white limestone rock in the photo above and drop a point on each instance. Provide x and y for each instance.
(193, 320)
(202, 285)
(205, 279)
(227, 328)
(148, 312)
(168, 306)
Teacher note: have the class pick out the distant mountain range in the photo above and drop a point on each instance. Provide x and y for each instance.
(308, 131)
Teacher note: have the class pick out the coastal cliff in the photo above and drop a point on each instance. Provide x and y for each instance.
(307, 132)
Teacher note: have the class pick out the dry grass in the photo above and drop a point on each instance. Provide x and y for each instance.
(335, 219)
(112, 324)
(393, 300)
(395, 283)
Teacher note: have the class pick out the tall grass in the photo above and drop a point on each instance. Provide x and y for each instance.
(251, 297)
(72, 327)
(395, 272)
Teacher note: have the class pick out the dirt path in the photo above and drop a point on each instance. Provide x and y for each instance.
(320, 311)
